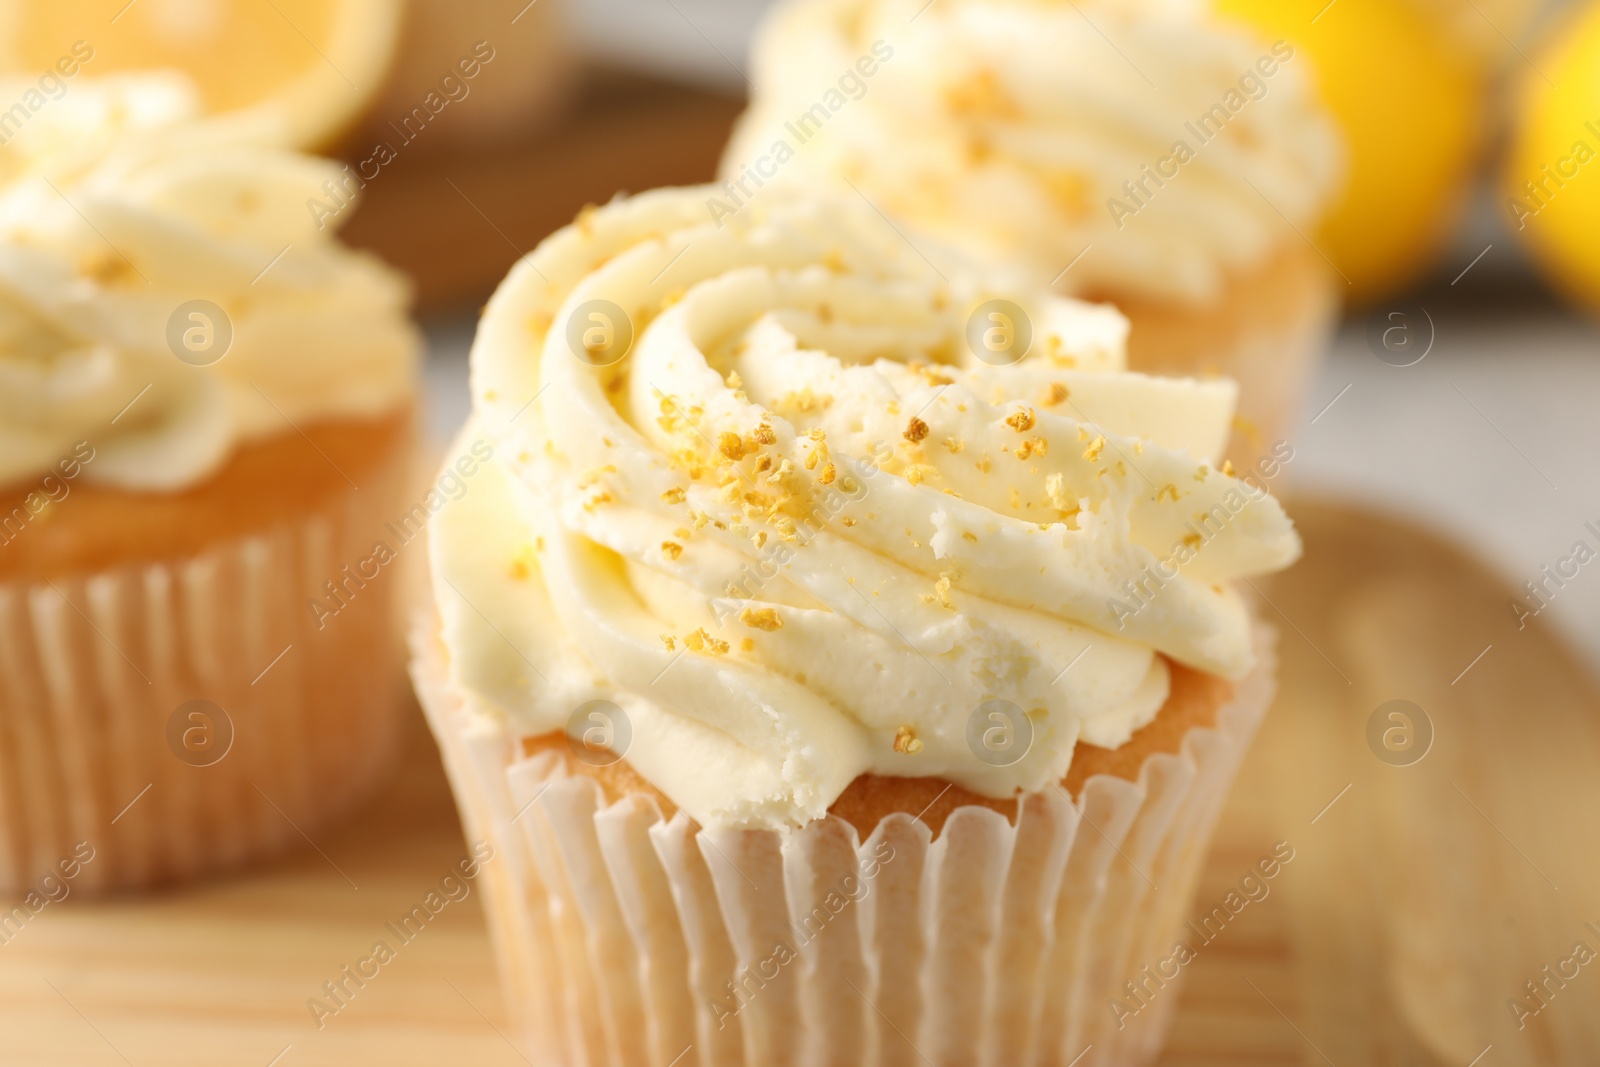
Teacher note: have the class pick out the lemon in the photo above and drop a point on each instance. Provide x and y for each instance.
(293, 72)
(1552, 176)
(1408, 103)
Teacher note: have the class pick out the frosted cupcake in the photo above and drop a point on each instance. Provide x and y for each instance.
(1146, 153)
(205, 423)
(827, 693)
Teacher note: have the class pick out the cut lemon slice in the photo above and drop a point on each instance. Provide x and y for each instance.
(290, 72)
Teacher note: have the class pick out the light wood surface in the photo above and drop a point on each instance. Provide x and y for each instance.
(1416, 904)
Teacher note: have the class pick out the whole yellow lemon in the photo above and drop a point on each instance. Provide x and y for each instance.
(1552, 177)
(1408, 102)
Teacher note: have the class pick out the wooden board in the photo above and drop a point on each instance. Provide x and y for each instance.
(1417, 902)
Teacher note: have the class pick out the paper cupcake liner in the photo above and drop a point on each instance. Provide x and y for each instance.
(97, 745)
(628, 939)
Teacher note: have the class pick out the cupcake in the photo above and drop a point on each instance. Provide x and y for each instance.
(206, 409)
(827, 692)
(1150, 154)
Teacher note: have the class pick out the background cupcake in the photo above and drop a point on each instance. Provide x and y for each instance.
(784, 646)
(1150, 154)
(205, 423)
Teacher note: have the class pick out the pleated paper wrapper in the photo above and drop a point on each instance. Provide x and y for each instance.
(627, 939)
(94, 668)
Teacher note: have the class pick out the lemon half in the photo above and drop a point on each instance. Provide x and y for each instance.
(289, 72)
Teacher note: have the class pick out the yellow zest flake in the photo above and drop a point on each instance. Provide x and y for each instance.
(804, 400)
(671, 549)
(670, 641)
(906, 742)
(699, 519)
(1138, 447)
(954, 445)
(676, 495)
(893, 407)
(733, 381)
(759, 538)
(747, 644)
(763, 464)
(1021, 420)
(730, 493)
(597, 500)
(766, 619)
(732, 445)
(518, 570)
(829, 473)
(915, 430)
(913, 474)
(1200, 475)
(848, 521)
(1097, 446)
(784, 470)
(981, 95)
(757, 499)
(1167, 490)
(984, 464)
(700, 641)
(595, 475)
(785, 527)
(1227, 468)
(1192, 540)
(682, 531)
(1055, 393)
(968, 535)
(765, 435)
(1034, 446)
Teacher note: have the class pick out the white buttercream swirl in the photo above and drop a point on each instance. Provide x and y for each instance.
(799, 533)
(1012, 126)
(117, 208)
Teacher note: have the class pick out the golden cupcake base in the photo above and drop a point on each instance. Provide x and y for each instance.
(171, 704)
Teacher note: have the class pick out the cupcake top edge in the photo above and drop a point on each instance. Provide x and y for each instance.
(766, 500)
(171, 288)
(1171, 148)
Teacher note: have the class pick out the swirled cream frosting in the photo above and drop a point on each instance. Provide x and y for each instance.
(167, 293)
(1149, 145)
(747, 485)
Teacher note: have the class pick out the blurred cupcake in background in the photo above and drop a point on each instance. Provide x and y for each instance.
(205, 435)
(1149, 154)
